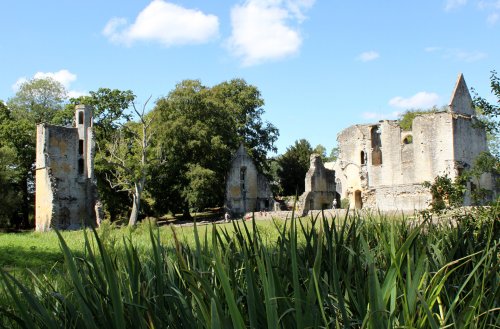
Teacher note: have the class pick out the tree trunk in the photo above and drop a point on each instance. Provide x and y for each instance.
(135, 211)
(136, 207)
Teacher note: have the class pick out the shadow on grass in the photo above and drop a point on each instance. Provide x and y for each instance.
(14, 259)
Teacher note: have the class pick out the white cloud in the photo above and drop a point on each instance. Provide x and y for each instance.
(368, 56)
(432, 49)
(493, 18)
(264, 30)
(467, 56)
(380, 116)
(452, 4)
(458, 54)
(166, 23)
(421, 99)
(64, 76)
(491, 7)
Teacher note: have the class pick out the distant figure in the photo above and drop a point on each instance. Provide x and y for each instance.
(226, 217)
(334, 204)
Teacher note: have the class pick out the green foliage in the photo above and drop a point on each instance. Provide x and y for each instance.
(199, 128)
(202, 182)
(406, 119)
(446, 193)
(294, 164)
(489, 114)
(109, 110)
(344, 203)
(38, 100)
(485, 163)
(321, 150)
(352, 272)
(488, 111)
(10, 200)
(334, 154)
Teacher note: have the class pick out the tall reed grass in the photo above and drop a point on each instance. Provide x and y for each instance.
(352, 272)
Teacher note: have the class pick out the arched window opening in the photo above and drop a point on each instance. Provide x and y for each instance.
(408, 140)
(362, 157)
(80, 118)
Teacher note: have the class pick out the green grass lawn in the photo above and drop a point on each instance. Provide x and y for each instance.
(39, 251)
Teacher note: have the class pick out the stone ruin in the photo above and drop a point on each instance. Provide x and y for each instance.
(320, 190)
(381, 166)
(66, 192)
(247, 190)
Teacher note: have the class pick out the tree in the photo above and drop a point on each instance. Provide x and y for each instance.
(243, 102)
(128, 156)
(321, 150)
(199, 128)
(334, 154)
(38, 100)
(10, 202)
(489, 113)
(483, 163)
(294, 164)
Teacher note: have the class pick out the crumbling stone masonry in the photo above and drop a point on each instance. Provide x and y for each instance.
(381, 166)
(319, 187)
(247, 190)
(66, 192)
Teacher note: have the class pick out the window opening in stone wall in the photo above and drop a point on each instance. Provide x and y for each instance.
(338, 186)
(358, 201)
(362, 157)
(242, 177)
(80, 166)
(80, 146)
(376, 146)
(408, 139)
(80, 118)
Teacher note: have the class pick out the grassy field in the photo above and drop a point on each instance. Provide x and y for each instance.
(356, 272)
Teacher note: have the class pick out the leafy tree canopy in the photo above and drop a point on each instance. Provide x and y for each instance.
(198, 129)
(38, 99)
(293, 166)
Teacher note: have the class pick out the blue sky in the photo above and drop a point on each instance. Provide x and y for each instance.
(321, 65)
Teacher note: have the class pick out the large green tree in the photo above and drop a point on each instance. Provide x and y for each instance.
(293, 166)
(38, 100)
(198, 130)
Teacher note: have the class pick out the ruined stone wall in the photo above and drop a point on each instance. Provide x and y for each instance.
(44, 206)
(246, 189)
(433, 146)
(319, 186)
(382, 166)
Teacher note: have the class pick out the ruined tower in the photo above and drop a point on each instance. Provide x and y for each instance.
(65, 186)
